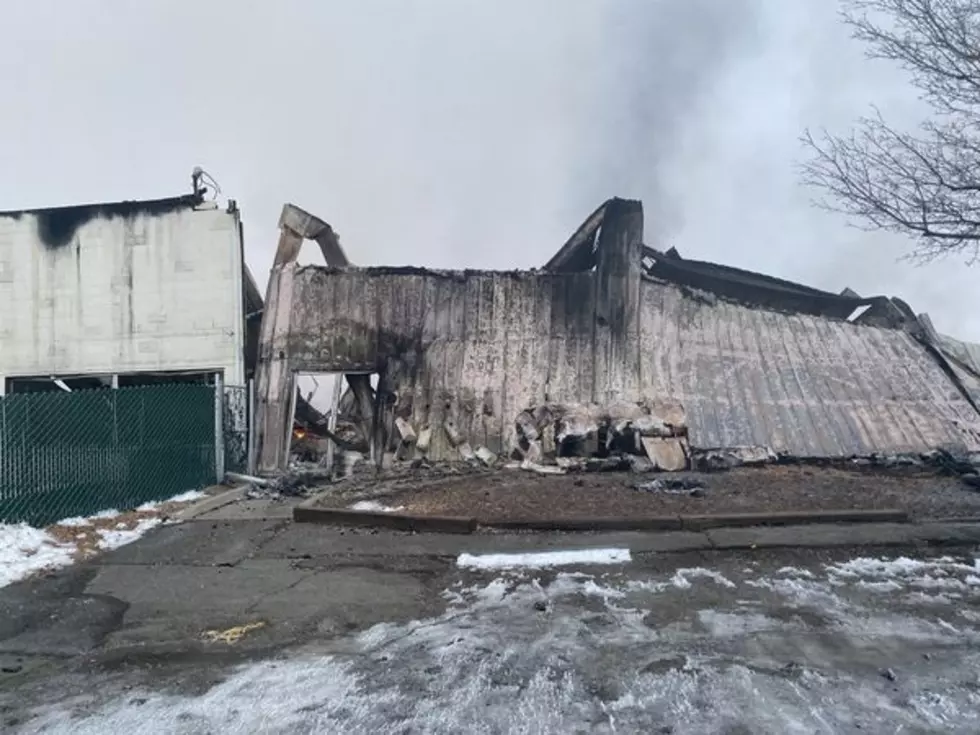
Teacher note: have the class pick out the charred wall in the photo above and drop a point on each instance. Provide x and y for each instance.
(800, 384)
(477, 348)
(472, 347)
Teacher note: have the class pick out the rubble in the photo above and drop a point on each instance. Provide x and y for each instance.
(646, 436)
(452, 433)
(424, 440)
(541, 469)
(405, 431)
(642, 436)
(673, 486)
(667, 454)
(719, 460)
(485, 456)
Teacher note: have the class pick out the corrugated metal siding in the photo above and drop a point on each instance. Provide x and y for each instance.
(494, 343)
(966, 352)
(800, 384)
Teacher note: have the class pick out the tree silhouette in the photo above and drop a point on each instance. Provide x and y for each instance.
(923, 183)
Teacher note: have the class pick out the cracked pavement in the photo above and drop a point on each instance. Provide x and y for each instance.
(382, 632)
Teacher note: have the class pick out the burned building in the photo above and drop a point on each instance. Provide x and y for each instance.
(463, 358)
(125, 293)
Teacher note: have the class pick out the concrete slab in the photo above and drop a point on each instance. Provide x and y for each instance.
(668, 542)
(256, 509)
(73, 627)
(948, 533)
(188, 588)
(212, 502)
(203, 543)
(305, 541)
(340, 600)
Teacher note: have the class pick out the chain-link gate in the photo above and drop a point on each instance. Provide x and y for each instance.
(73, 454)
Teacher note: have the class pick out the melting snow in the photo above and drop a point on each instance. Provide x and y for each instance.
(491, 660)
(85, 521)
(682, 577)
(899, 567)
(25, 550)
(540, 560)
(188, 497)
(115, 537)
(373, 506)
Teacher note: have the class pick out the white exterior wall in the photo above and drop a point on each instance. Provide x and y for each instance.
(144, 293)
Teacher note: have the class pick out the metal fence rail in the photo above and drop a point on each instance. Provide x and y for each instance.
(70, 454)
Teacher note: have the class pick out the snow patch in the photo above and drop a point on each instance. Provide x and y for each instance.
(887, 585)
(189, 497)
(103, 515)
(542, 559)
(727, 625)
(373, 506)
(25, 550)
(114, 538)
(902, 567)
(682, 577)
(795, 572)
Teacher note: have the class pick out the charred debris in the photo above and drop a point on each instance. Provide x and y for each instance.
(589, 364)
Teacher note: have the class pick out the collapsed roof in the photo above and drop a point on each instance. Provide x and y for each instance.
(754, 360)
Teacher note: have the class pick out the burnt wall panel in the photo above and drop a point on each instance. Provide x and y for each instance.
(478, 347)
(482, 346)
(807, 386)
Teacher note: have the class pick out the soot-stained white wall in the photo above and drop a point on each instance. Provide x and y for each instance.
(121, 289)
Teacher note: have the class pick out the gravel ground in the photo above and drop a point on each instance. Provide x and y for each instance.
(516, 495)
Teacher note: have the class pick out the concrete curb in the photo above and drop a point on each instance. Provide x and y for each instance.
(648, 523)
(212, 503)
(791, 518)
(304, 513)
(310, 512)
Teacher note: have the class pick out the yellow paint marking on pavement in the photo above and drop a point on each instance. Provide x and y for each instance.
(231, 635)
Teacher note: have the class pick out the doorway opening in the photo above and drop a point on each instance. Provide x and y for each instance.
(333, 420)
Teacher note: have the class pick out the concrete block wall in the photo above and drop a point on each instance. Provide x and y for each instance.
(147, 291)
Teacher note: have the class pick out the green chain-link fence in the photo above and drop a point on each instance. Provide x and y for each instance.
(73, 454)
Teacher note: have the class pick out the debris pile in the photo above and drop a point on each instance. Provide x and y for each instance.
(720, 460)
(293, 484)
(958, 462)
(678, 485)
(560, 437)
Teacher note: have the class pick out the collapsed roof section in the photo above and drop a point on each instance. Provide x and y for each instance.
(460, 356)
(579, 254)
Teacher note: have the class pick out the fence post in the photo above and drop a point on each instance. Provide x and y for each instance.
(250, 427)
(219, 434)
(4, 445)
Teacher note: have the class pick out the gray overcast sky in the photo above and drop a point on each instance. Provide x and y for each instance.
(456, 133)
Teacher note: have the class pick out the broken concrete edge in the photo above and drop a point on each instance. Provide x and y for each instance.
(213, 502)
(791, 518)
(306, 513)
(310, 512)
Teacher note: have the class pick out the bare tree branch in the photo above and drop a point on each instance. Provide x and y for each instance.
(926, 184)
